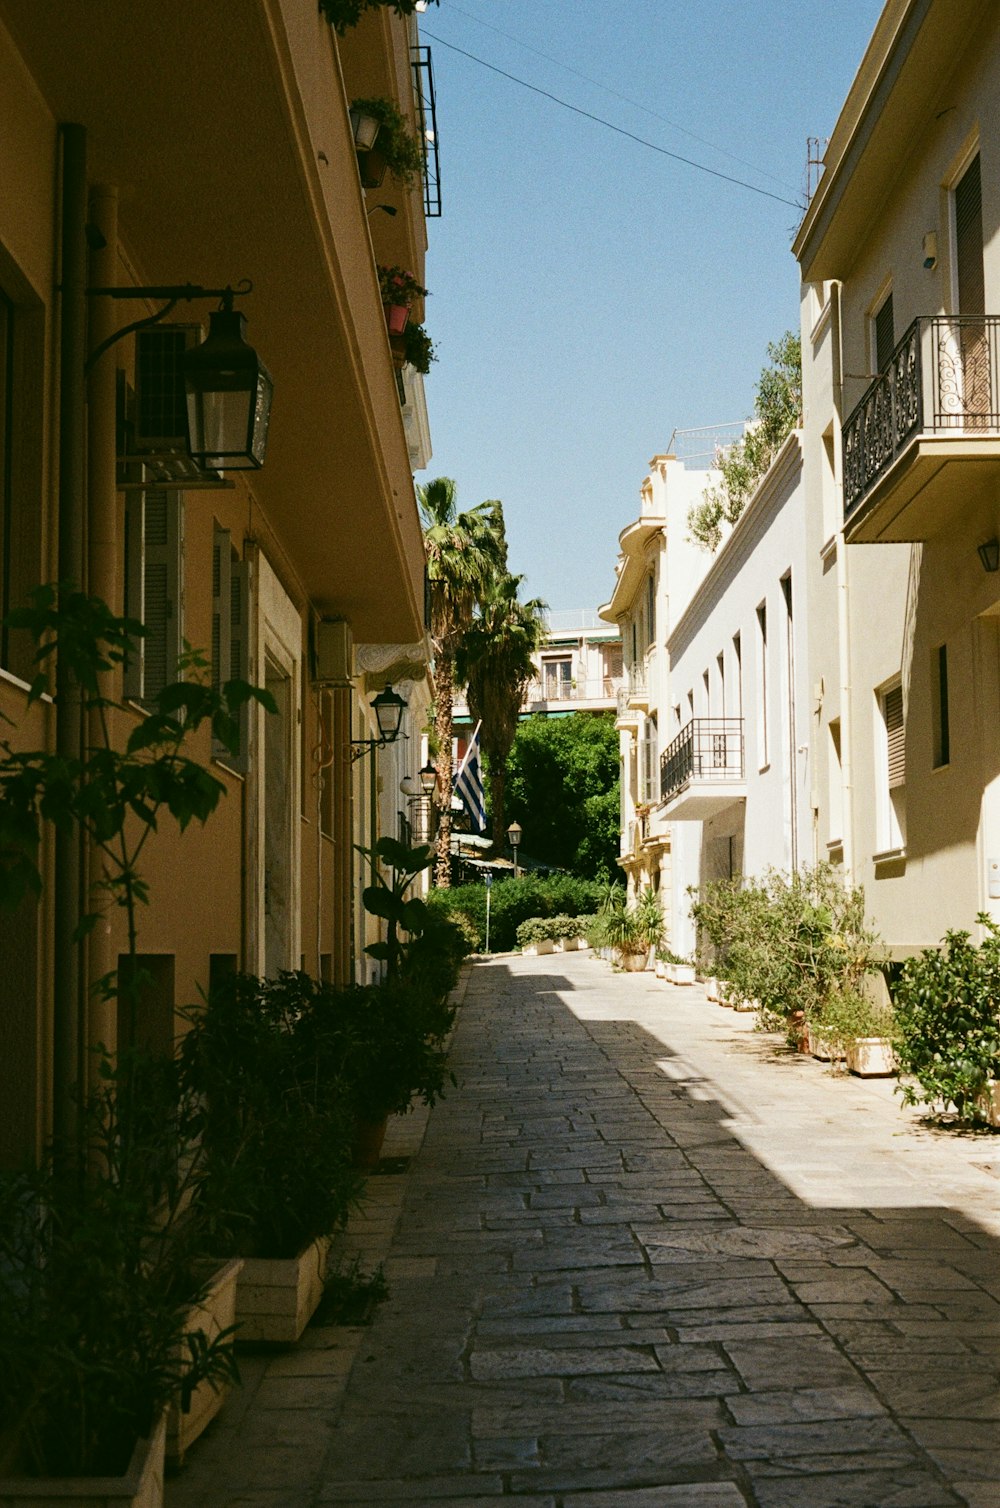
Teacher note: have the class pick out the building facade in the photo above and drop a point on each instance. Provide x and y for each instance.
(132, 156)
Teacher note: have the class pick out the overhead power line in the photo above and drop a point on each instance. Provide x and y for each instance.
(619, 130)
(615, 93)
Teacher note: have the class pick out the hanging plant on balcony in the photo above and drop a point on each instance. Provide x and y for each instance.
(343, 14)
(399, 289)
(395, 149)
(418, 348)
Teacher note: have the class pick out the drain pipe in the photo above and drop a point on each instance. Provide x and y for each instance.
(69, 1012)
(843, 593)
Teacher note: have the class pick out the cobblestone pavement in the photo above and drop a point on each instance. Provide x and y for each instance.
(645, 1256)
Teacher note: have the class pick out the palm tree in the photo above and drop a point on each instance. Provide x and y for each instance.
(494, 662)
(464, 552)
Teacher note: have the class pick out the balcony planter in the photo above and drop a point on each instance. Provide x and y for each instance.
(141, 1486)
(871, 1057)
(277, 1296)
(396, 316)
(215, 1312)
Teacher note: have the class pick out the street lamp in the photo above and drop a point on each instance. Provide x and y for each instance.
(514, 834)
(229, 391)
(428, 779)
(388, 707)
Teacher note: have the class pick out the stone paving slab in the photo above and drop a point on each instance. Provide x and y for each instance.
(644, 1256)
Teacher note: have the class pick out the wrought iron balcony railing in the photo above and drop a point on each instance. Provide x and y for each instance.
(598, 689)
(708, 748)
(943, 377)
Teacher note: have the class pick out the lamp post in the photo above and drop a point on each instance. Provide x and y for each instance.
(514, 834)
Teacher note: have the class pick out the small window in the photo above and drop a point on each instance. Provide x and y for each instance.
(651, 607)
(939, 706)
(884, 332)
(835, 785)
(650, 756)
(762, 727)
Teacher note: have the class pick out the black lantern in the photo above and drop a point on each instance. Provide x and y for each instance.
(229, 392)
(389, 708)
(989, 555)
(428, 779)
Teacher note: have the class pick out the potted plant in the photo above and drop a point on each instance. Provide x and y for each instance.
(947, 1032)
(852, 1027)
(534, 938)
(343, 14)
(632, 931)
(395, 148)
(277, 1129)
(399, 290)
(417, 349)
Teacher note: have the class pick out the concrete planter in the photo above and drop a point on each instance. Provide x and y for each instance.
(567, 944)
(988, 1103)
(215, 1312)
(823, 1049)
(539, 949)
(277, 1296)
(661, 969)
(871, 1057)
(743, 1003)
(141, 1486)
(683, 973)
(633, 963)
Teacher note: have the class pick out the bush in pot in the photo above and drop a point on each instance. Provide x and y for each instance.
(947, 1027)
(535, 933)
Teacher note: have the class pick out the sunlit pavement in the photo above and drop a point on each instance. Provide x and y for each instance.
(644, 1256)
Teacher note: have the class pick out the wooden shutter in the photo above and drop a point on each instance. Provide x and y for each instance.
(895, 733)
(239, 650)
(222, 557)
(969, 241)
(134, 603)
(885, 335)
(161, 590)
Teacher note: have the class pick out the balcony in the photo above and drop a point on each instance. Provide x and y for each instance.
(702, 771)
(924, 441)
(553, 693)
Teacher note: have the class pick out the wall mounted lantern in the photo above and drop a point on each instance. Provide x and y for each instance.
(428, 779)
(388, 707)
(989, 555)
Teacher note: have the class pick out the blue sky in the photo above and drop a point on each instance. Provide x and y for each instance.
(589, 295)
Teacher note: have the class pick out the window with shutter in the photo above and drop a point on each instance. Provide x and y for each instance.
(969, 241)
(895, 734)
(239, 651)
(885, 334)
(153, 589)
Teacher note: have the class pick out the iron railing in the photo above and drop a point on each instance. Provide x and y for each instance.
(598, 689)
(943, 377)
(708, 748)
(423, 83)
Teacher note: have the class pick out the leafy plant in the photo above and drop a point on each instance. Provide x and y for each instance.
(396, 285)
(399, 149)
(532, 931)
(947, 1014)
(777, 410)
(96, 1281)
(277, 1123)
(350, 1297)
(516, 901)
(418, 348)
(633, 930)
(343, 14)
(388, 898)
(562, 787)
(848, 1015)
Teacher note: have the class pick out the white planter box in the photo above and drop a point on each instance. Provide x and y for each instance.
(216, 1312)
(711, 987)
(988, 1102)
(743, 1003)
(871, 1057)
(567, 945)
(822, 1048)
(140, 1487)
(538, 949)
(661, 969)
(683, 973)
(277, 1296)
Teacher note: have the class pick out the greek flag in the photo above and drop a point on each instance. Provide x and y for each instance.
(468, 784)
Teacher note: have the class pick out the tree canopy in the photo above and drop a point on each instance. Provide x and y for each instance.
(562, 787)
(777, 410)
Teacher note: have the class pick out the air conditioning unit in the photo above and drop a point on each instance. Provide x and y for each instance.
(334, 657)
(157, 435)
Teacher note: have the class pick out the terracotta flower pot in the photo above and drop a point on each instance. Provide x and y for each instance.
(396, 316)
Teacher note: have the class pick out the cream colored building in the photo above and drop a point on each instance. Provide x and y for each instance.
(900, 260)
(577, 669)
(656, 572)
(209, 144)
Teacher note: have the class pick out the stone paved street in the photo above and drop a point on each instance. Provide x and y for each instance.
(645, 1257)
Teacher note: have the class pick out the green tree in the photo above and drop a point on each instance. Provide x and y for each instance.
(777, 410)
(465, 553)
(563, 790)
(494, 662)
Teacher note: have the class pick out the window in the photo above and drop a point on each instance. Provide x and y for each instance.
(835, 786)
(153, 526)
(883, 334)
(558, 678)
(720, 681)
(891, 769)
(651, 607)
(738, 657)
(611, 657)
(650, 753)
(939, 706)
(706, 695)
(762, 730)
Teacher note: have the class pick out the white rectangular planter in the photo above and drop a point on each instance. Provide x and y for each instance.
(871, 1057)
(823, 1049)
(567, 945)
(215, 1312)
(538, 949)
(988, 1102)
(683, 973)
(743, 1003)
(277, 1296)
(141, 1486)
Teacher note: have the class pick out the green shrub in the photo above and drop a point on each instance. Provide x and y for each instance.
(516, 901)
(947, 1005)
(534, 930)
(848, 1015)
